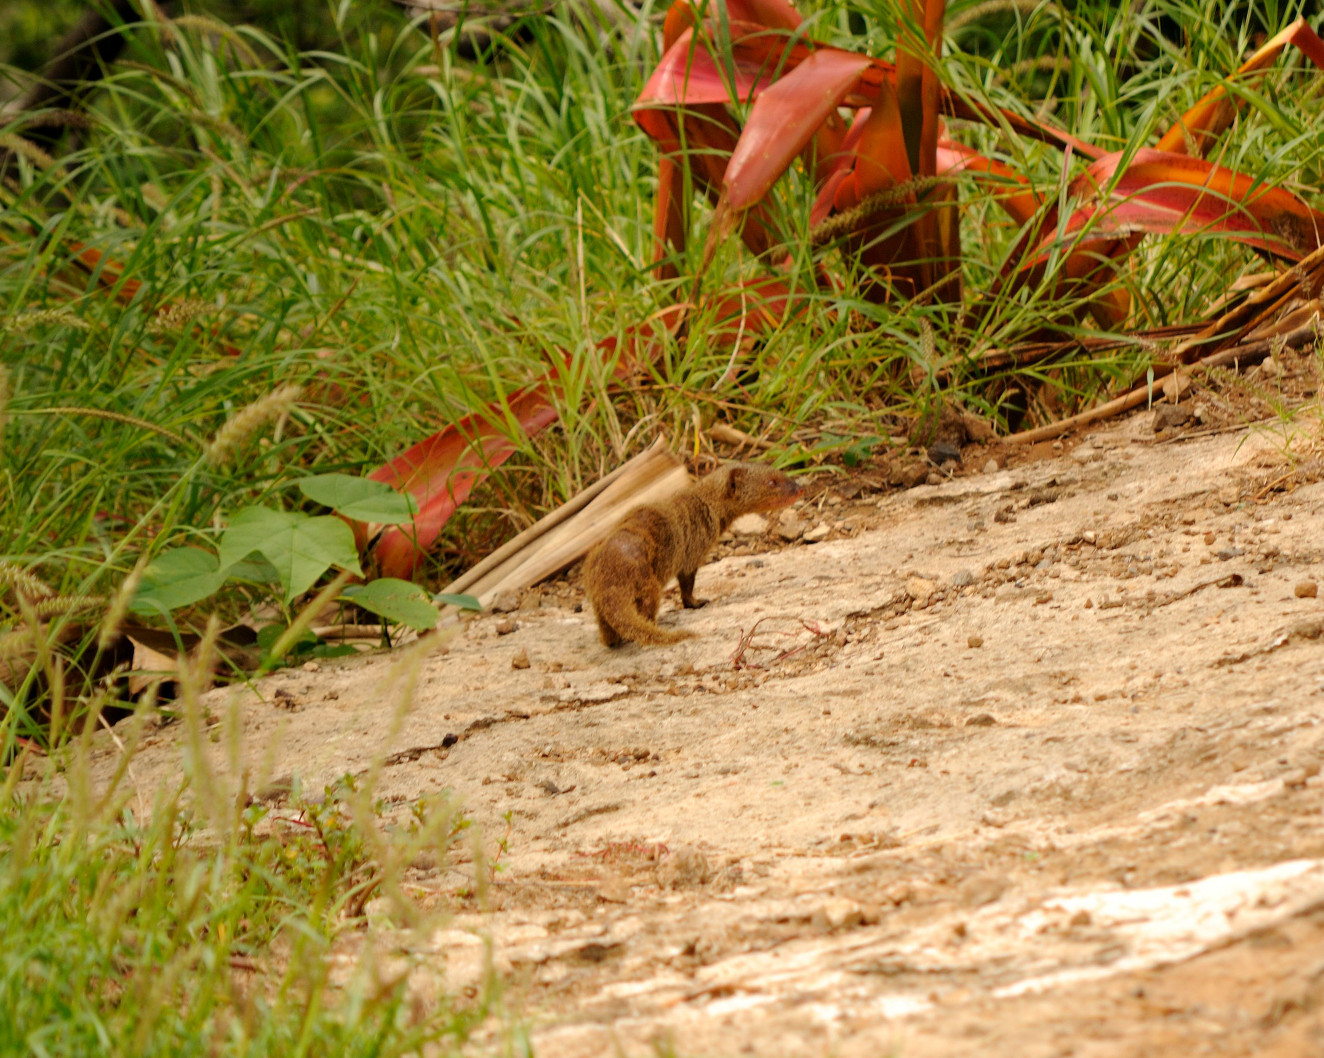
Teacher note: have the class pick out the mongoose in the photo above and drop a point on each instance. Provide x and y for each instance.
(624, 575)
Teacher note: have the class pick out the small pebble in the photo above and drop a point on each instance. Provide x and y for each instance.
(505, 602)
(790, 526)
(991, 467)
(1167, 416)
(920, 590)
(520, 660)
(505, 627)
(750, 525)
(1306, 589)
(817, 533)
(944, 452)
(975, 642)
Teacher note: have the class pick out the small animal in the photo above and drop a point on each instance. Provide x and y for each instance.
(624, 575)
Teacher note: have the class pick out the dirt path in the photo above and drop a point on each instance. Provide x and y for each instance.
(1025, 763)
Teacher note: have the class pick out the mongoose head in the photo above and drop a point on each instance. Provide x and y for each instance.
(752, 487)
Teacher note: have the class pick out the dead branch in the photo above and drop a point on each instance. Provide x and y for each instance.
(1179, 376)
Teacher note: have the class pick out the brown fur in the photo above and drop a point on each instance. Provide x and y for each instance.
(625, 574)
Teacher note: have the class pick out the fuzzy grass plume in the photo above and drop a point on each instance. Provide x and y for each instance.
(241, 426)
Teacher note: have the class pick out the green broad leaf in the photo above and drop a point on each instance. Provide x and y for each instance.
(395, 600)
(176, 578)
(299, 547)
(464, 602)
(362, 499)
(268, 634)
(332, 650)
(252, 570)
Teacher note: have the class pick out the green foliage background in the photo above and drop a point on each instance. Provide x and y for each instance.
(321, 195)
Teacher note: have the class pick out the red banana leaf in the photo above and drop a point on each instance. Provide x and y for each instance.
(784, 118)
(919, 44)
(1202, 124)
(1198, 128)
(109, 273)
(796, 86)
(1161, 192)
(441, 471)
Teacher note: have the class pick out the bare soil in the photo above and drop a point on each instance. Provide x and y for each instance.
(1023, 763)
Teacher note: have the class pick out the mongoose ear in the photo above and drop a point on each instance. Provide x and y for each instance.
(733, 480)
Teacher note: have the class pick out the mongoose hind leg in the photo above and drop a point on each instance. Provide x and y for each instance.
(648, 596)
(610, 637)
(686, 582)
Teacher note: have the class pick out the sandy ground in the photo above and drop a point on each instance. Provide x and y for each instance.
(1022, 763)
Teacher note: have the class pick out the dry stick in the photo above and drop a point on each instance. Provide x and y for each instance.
(1037, 352)
(1232, 580)
(1251, 353)
(542, 526)
(1305, 277)
(732, 436)
(1233, 325)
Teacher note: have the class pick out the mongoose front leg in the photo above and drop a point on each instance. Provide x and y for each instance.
(686, 582)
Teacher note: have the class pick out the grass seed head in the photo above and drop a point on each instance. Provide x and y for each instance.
(22, 581)
(119, 605)
(248, 420)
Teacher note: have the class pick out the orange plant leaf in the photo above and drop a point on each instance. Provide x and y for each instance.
(1201, 125)
(683, 107)
(109, 273)
(668, 217)
(837, 168)
(1289, 221)
(917, 89)
(1010, 189)
(784, 118)
(1161, 192)
(774, 14)
(440, 472)
(704, 136)
(882, 161)
(689, 74)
